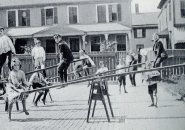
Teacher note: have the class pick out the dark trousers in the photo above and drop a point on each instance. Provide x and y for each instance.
(121, 80)
(38, 85)
(3, 57)
(132, 79)
(62, 70)
(158, 62)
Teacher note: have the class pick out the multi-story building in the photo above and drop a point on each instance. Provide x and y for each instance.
(144, 25)
(171, 22)
(84, 24)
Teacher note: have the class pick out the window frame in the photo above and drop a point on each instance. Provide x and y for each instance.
(78, 44)
(91, 42)
(143, 32)
(76, 6)
(107, 12)
(182, 15)
(45, 8)
(16, 17)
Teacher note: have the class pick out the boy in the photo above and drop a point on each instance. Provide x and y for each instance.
(66, 57)
(39, 55)
(37, 81)
(152, 78)
(102, 68)
(121, 78)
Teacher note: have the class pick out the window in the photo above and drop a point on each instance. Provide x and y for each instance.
(121, 42)
(18, 18)
(50, 46)
(49, 16)
(139, 33)
(74, 44)
(108, 13)
(183, 9)
(114, 12)
(12, 18)
(24, 17)
(73, 14)
(20, 46)
(95, 43)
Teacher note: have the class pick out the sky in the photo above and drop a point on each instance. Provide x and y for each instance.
(146, 5)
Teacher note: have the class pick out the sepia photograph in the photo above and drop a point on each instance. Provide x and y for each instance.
(92, 64)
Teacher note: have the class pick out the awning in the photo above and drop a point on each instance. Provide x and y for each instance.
(102, 28)
(164, 33)
(24, 32)
(60, 29)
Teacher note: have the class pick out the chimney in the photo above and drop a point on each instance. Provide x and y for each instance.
(137, 8)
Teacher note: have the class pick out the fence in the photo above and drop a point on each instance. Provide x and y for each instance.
(52, 59)
(177, 57)
(110, 60)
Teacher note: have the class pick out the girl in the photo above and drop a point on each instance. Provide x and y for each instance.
(16, 86)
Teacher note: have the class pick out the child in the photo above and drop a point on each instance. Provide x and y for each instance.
(121, 78)
(152, 78)
(16, 85)
(37, 81)
(39, 55)
(87, 62)
(102, 69)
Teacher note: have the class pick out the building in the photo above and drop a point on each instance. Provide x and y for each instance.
(144, 25)
(84, 24)
(171, 22)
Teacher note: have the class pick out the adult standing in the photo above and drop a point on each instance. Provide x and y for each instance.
(6, 49)
(132, 76)
(139, 56)
(39, 55)
(159, 51)
(66, 57)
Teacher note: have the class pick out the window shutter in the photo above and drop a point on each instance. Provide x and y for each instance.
(101, 14)
(43, 17)
(55, 15)
(110, 13)
(144, 33)
(28, 17)
(135, 33)
(119, 12)
(20, 17)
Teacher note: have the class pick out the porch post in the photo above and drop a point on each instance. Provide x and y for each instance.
(14, 39)
(84, 41)
(128, 42)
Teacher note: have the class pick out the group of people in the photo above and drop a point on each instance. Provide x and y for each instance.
(17, 83)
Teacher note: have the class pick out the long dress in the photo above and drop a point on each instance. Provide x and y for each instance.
(16, 85)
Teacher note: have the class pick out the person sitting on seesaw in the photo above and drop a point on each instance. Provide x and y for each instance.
(16, 86)
(37, 81)
(87, 62)
(102, 69)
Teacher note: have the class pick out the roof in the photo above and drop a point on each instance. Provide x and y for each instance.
(24, 31)
(14, 3)
(67, 30)
(101, 28)
(162, 2)
(59, 29)
(145, 19)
